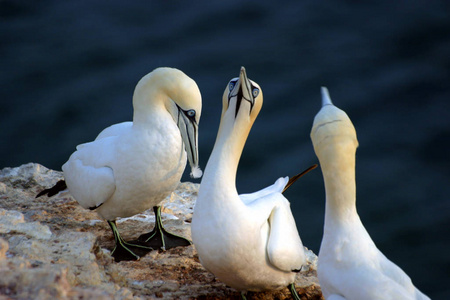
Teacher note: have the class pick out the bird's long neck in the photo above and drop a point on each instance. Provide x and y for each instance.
(338, 167)
(220, 171)
(150, 111)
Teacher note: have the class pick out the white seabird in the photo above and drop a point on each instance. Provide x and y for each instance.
(350, 265)
(133, 166)
(250, 242)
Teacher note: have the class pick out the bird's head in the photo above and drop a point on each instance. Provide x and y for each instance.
(332, 127)
(181, 97)
(242, 96)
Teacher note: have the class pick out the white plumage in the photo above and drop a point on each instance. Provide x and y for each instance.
(133, 166)
(350, 265)
(249, 241)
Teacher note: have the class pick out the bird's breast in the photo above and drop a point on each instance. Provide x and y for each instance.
(147, 168)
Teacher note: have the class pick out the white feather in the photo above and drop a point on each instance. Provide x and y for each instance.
(196, 172)
(132, 166)
(249, 241)
(350, 265)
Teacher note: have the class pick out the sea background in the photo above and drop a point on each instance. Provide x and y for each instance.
(68, 69)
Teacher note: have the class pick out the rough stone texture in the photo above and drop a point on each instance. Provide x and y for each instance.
(53, 248)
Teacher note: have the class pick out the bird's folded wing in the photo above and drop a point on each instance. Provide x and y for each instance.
(364, 282)
(335, 297)
(277, 187)
(88, 173)
(395, 273)
(115, 130)
(284, 249)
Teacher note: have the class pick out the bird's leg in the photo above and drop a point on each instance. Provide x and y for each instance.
(124, 250)
(293, 291)
(243, 295)
(159, 237)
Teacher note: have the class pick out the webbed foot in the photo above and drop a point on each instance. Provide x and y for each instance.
(125, 250)
(159, 238)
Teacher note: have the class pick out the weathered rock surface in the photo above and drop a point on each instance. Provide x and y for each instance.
(53, 248)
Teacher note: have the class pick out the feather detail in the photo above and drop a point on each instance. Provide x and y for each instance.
(196, 172)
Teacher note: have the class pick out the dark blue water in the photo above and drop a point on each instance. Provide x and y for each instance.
(68, 70)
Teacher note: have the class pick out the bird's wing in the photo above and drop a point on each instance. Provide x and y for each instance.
(89, 174)
(277, 187)
(335, 297)
(284, 247)
(115, 130)
(377, 287)
(396, 274)
(355, 279)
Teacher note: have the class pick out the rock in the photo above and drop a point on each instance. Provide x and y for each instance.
(13, 221)
(53, 248)
(4, 246)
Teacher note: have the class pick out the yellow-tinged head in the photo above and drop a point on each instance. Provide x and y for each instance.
(332, 126)
(243, 96)
(171, 89)
(172, 83)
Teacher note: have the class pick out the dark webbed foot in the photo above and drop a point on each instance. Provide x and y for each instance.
(125, 250)
(159, 238)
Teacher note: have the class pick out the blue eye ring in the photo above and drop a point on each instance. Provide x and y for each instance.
(191, 113)
(255, 92)
(231, 85)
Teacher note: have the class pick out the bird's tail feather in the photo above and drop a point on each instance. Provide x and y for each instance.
(58, 187)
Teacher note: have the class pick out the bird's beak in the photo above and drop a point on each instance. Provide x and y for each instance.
(242, 91)
(189, 133)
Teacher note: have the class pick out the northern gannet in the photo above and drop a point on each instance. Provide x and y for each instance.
(132, 166)
(249, 241)
(350, 265)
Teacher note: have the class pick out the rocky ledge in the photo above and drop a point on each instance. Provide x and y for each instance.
(53, 248)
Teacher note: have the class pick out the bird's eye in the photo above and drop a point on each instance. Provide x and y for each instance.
(255, 92)
(191, 113)
(231, 85)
